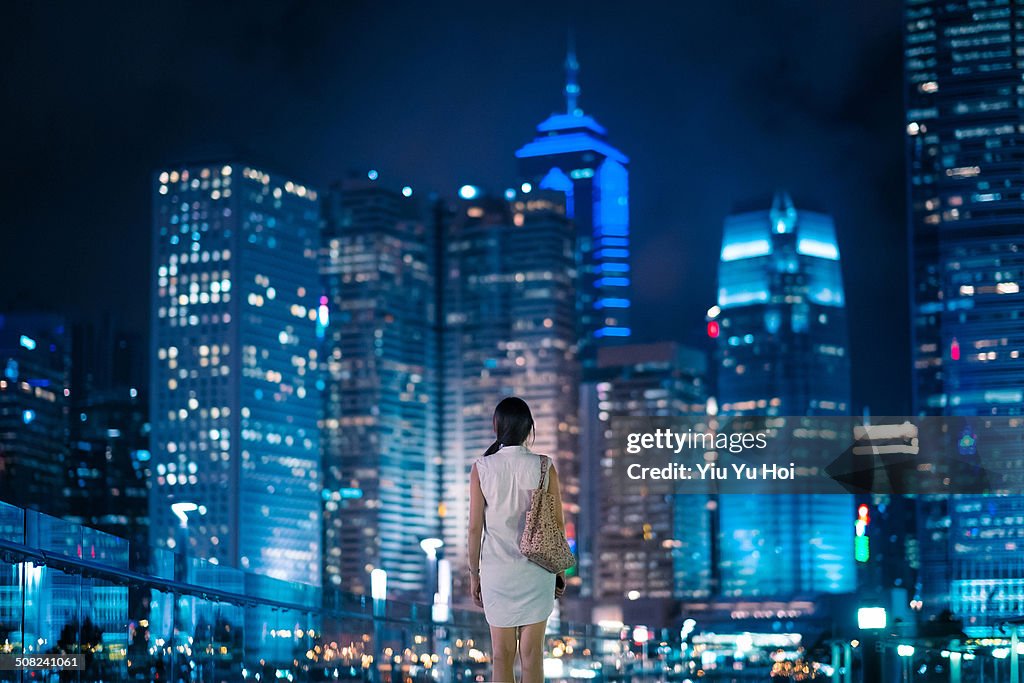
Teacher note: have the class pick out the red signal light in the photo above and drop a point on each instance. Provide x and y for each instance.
(862, 514)
(713, 329)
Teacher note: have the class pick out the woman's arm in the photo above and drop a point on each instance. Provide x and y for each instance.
(476, 530)
(554, 488)
(560, 518)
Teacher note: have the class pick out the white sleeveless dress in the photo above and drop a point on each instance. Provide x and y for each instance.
(515, 591)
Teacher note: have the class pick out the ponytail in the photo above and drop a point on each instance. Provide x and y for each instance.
(513, 424)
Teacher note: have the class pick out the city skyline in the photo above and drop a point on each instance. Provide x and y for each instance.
(815, 131)
(264, 285)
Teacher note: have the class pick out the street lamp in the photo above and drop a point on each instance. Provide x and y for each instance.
(181, 510)
(379, 593)
(379, 584)
(430, 547)
(439, 589)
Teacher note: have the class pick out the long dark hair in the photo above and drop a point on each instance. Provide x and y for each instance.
(513, 423)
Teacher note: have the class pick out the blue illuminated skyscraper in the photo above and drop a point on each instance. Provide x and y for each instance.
(571, 155)
(380, 424)
(235, 376)
(35, 373)
(780, 326)
(509, 311)
(781, 319)
(964, 132)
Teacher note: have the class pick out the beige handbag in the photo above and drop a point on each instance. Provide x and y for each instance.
(543, 543)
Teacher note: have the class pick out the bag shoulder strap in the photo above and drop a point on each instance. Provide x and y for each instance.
(545, 465)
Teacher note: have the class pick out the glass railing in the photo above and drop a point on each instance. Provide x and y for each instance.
(157, 616)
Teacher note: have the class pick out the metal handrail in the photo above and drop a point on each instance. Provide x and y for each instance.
(129, 577)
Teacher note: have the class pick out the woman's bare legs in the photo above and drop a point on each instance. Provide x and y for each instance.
(503, 653)
(531, 649)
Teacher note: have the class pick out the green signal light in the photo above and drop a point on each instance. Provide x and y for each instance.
(861, 551)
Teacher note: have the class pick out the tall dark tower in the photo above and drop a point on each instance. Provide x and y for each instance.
(571, 154)
(380, 425)
(508, 309)
(963, 71)
(965, 130)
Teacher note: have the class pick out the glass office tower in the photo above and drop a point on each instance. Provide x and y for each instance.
(380, 423)
(571, 155)
(657, 546)
(235, 375)
(35, 374)
(509, 311)
(780, 327)
(964, 131)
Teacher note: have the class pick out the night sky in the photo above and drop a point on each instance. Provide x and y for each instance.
(715, 103)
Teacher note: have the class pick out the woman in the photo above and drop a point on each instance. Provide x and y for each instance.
(516, 594)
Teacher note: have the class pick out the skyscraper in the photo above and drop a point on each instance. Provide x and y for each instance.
(109, 451)
(781, 320)
(964, 130)
(509, 308)
(964, 123)
(35, 353)
(235, 374)
(780, 326)
(380, 424)
(571, 155)
(657, 546)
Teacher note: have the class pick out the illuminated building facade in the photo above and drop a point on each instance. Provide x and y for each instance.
(235, 376)
(509, 312)
(781, 321)
(571, 155)
(964, 129)
(780, 329)
(35, 366)
(657, 547)
(964, 118)
(380, 421)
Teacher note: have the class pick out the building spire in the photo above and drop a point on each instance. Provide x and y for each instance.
(572, 68)
(783, 213)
